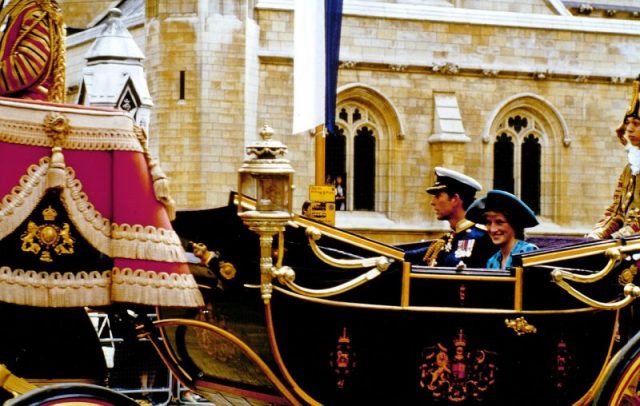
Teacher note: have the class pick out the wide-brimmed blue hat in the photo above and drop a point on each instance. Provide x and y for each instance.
(517, 212)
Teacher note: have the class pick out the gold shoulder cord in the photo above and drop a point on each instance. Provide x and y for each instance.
(432, 253)
(58, 51)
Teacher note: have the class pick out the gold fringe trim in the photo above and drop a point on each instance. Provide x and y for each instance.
(16, 206)
(87, 139)
(118, 240)
(98, 288)
(55, 289)
(155, 288)
(147, 242)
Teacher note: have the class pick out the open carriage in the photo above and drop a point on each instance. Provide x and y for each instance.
(350, 322)
(337, 319)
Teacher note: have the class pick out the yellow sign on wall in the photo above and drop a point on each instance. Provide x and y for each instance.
(324, 194)
(323, 206)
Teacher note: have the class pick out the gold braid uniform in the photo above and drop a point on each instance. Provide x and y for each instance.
(622, 217)
(32, 53)
(468, 245)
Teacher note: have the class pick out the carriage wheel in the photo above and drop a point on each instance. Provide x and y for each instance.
(620, 386)
(71, 394)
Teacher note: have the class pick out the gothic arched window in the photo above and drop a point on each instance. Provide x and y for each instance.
(518, 170)
(530, 172)
(336, 155)
(351, 154)
(503, 163)
(364, 169)
(536, 131)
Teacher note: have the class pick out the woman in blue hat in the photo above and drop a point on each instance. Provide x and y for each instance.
(505, 217)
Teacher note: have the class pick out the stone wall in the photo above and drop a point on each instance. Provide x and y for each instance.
(524, 6)
(583, 75)
(238, 76)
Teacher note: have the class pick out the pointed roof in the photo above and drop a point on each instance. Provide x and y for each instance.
(114, 42)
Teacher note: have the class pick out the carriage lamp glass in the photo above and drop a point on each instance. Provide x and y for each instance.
(266, 177)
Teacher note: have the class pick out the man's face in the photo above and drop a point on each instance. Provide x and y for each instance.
(442, 205)
(632, 131)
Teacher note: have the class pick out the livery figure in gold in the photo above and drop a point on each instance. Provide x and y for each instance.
(622, 217)
(32, 50)
(86, 215)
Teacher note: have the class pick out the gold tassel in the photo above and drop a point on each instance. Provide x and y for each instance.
(56, 175)
(160, 180)
(161, 189)
(56, 126)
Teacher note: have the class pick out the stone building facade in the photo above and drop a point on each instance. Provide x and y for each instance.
(526, 92)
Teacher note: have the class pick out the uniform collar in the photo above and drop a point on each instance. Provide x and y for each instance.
(463, 225)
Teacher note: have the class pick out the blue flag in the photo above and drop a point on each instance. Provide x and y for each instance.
(333, 26)
(315, 65)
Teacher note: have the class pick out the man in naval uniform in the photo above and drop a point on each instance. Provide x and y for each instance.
(622, 217)
(467, 245)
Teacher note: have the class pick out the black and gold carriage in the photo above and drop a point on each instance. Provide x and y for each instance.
(294, 311)
(348, 321)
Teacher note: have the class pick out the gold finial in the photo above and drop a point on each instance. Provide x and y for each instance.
(266, 133)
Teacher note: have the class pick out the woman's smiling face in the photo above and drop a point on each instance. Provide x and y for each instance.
(499, 229)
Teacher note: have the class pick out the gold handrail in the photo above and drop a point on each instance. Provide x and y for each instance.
(380, 262)
(630, 292)
(286, 276)
(614, 255)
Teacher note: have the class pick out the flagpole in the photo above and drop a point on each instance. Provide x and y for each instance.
(320, 155)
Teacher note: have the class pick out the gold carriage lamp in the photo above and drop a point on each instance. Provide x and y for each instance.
(267, 177)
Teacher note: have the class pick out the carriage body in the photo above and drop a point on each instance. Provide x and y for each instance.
(350, 321)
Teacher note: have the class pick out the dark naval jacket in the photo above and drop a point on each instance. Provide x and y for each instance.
(468, 246)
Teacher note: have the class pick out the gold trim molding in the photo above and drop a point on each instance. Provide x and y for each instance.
(80, 138)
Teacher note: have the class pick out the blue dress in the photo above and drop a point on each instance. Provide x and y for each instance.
(495, 262)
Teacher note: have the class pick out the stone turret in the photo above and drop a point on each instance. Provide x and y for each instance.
(114, 74)
(203, 69)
